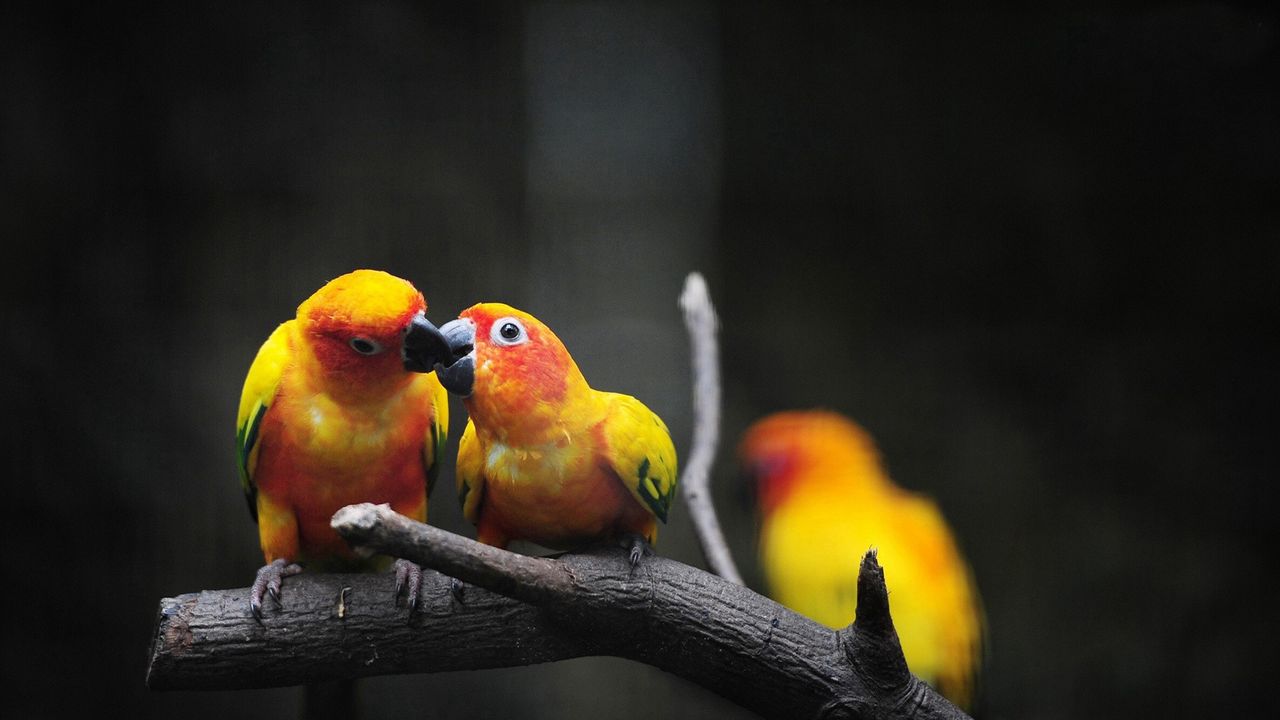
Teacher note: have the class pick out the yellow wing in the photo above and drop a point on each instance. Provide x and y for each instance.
(257, 395)
(470, 473)
(641, 452)
(437, 432)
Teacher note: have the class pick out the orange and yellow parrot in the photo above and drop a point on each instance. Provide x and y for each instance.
(545, 457)
(824, 500)
(334, 413)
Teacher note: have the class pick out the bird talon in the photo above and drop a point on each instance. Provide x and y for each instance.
(638, 547)
(409, 576)
(415, 590)
(402, 575)
(268, 583)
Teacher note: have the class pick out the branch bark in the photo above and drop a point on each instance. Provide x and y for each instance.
(675, 617)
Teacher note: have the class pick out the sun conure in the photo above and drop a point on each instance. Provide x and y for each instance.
(545, 457)
(824, 499)
(333, 413)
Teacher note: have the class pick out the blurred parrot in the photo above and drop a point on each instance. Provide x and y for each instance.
(824, 500)
(545, 457)
(333, 413)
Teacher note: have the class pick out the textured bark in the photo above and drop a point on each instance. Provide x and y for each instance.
(343, 626)
(688, 622)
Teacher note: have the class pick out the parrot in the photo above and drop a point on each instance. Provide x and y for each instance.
(545, 457)
(824, 499)
(332, 412)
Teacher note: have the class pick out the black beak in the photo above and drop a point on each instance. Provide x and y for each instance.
(459, 374)
(424, 346)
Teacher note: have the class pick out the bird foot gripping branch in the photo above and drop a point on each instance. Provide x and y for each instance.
(636, 549)
(268, 582)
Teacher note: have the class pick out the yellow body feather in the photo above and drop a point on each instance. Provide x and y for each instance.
(825, 500)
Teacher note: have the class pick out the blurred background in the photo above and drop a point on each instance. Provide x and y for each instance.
(1034, 252)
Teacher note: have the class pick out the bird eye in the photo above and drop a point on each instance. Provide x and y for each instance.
(508, 331)
(365, 346)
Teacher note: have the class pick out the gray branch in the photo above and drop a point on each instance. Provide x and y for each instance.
(695, 483)
(520, 610)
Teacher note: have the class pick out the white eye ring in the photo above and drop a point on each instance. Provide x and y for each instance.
(365, 346)
(508, 331)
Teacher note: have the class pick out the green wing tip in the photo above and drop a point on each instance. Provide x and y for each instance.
(246, 438)
(650, 489)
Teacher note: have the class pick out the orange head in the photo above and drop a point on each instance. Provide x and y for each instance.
(355, 325)
(510, 368)
(506, 363)
(800, 450)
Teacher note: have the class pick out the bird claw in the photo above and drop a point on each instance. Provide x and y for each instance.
(409, 575)
(638, 549)
(268, 583)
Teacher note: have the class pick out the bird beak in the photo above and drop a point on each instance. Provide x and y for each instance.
(458, 375)
(423, 346)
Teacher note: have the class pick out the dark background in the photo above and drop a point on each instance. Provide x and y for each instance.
(1034, 252)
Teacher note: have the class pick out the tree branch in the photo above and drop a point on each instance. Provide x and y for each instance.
(695, 483)
(675, 617)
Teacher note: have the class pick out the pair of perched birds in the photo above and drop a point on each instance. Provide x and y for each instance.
(347, 403)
